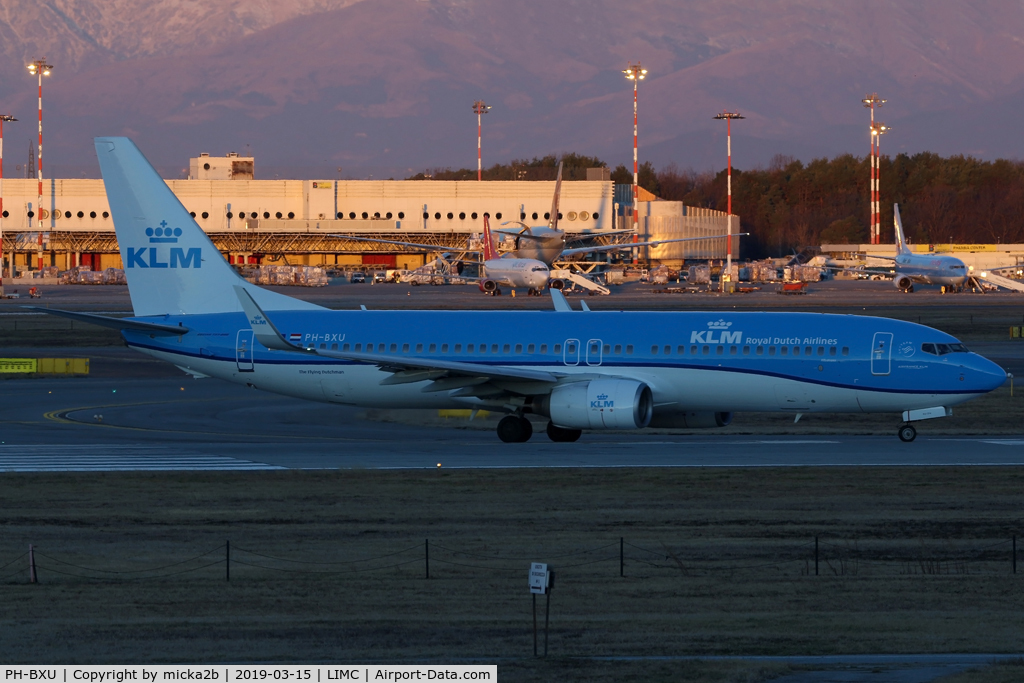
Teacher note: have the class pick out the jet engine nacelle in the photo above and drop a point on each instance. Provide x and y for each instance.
(690, 420)
(488, 286)
(903, 283)
(600, 404)
(555, 283)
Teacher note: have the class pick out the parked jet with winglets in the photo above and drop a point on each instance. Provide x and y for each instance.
(587, 370)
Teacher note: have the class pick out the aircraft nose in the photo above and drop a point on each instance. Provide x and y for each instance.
(990, 375)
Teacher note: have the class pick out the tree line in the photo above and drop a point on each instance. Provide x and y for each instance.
(790, 205)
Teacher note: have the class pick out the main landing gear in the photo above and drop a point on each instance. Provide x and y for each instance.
(514, 429)
(563, 435)
(907, 433)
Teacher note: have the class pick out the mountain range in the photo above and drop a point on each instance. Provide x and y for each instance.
(384, 88)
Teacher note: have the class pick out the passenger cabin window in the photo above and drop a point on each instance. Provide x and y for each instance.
(846, 350)
(668, 350)
(419, 348)
(444, 348)
(618, 348)
(746, 350)
(719, 350)
(808, 350)
(469, 348)
(433, 348)
(821, 350)
(732, 350)
(323, 346)
(629, 349)
(483, 348)
(344, 347)
(334, 347)
(693, 350)
(494, 348)
(530, 348)
(706, 350)
(760, 350)
(784, 350)
(681, 350)
(796, 350)
(543, 348)
(558, 349)
(359, 347)
(607, 349)
(394, 347)
(831, 350)
(519, 348)
(771, 350)
(504, 349)
(405, 348)
(458, 348)
(380, 348)
(654, 350)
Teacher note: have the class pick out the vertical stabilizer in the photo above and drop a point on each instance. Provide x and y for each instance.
(554, 200)
(490, 248)
(171, 266)
(901, 243)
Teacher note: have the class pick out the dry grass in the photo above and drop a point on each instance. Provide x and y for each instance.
(730, 573)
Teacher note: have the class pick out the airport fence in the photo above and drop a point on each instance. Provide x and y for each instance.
(693, 558)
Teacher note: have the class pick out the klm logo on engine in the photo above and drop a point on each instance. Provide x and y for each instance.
(155, 257)
(717, 333)
(602, 402)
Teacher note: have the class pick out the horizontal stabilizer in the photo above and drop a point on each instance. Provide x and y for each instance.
(115, 323)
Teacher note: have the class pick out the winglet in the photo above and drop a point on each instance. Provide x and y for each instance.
(558, 299)
(265, 332)
(584, 306)
(901, 243)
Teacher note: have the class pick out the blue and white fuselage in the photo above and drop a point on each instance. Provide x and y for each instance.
(581, 369)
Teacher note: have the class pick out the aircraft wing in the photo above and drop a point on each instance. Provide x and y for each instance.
(429, 247)
(114, 323)
(405, 368)
(630, 245)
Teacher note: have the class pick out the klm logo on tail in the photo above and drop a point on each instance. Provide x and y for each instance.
(150, 257)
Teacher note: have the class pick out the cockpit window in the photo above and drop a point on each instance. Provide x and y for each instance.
(539, 269)
(957, 267)
(943, 349)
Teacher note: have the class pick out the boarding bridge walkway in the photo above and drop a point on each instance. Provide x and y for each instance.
(1000, 281)
(580, 280)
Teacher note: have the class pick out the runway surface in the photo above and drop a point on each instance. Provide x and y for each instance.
(101, 424)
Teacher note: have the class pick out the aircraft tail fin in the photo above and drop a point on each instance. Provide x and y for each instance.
(490, 248)
(555, 199)
(171, 266)
(901, 243)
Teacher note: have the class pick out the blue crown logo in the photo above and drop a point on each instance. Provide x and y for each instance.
(602, 397)
(163, 234)
(720, 325)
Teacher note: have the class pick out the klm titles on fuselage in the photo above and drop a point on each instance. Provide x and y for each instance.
(154, 257)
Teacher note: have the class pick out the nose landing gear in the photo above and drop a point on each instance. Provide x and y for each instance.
(907, 433)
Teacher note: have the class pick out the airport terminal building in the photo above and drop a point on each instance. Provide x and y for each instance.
(309, 221)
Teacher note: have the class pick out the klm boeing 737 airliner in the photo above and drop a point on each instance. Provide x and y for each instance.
(582, 370)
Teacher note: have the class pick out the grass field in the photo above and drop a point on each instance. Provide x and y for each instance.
(718, 562)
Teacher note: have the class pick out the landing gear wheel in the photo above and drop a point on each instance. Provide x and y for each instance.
(514, 429)
(907, 433)
(562, 435)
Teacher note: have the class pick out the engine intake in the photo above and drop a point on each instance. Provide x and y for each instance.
(903, 282)
(599, 404)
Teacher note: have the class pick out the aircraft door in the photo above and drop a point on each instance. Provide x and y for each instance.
(881, 353)
(594, 352)
(243, 350)
(571, 352)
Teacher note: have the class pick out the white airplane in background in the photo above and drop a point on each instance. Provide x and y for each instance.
(496, 270)
(910, 268)
(547, 243)
(925, 269)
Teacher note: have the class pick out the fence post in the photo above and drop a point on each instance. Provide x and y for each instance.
(426, 557)
(227, 560)
(622, 559)
(32, 564)
(815, 555)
